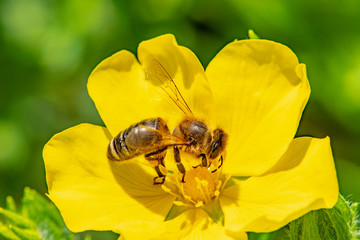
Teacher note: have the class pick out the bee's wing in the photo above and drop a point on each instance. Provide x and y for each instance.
(167, 139)
(155, 71)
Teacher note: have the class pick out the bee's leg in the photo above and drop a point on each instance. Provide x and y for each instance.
(161, 172)
(156, 159)
(221, 163)
(179, 165)
(204, 160)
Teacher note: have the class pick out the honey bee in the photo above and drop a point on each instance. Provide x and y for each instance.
(152, 137)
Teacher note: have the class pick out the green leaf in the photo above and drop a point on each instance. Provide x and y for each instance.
(87, 237)
(17, 219)
(260, 236)
(252, 34)
(312, 230)
(37, 218)
(337, 223)
(175, 211)
(38, 208)
(25, 234)
(6, 233)
(10, 204)
(355, 222)
(280, 234)
(215, 212)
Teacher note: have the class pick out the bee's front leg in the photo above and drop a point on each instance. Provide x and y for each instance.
(221, 160)
(179, 165)
(204, 160)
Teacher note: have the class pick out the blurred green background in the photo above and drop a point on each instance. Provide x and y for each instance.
(48, 49)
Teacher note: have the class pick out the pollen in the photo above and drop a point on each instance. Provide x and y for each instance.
(200, 186)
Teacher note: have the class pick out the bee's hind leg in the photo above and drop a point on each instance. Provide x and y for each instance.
(156, 159)
(179, 165)
(160, 171)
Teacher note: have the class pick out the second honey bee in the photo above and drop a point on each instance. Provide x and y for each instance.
(151, 137)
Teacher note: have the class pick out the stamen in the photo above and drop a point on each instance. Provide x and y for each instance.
(208, 195)
(199, 187)
(219, 184)
(173, 179)
(168, 190)
(199, 204)
(217, 191)
(188, 198)
(180, 203)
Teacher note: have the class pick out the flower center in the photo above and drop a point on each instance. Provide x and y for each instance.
(200, 185)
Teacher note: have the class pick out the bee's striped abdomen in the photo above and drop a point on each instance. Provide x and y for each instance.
(140, 138)
(118, 150)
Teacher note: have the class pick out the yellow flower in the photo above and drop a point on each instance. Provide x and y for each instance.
(255, 90)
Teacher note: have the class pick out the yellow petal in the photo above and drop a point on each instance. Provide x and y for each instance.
(303, 180)
(259, 90)
(138, 230)
(195, 224)
(93, 193)
(186, 71)
(118, 88)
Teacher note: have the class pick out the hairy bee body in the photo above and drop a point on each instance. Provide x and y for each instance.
(197, 133)
(203, 143)
(152, 137)
(141, 138)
